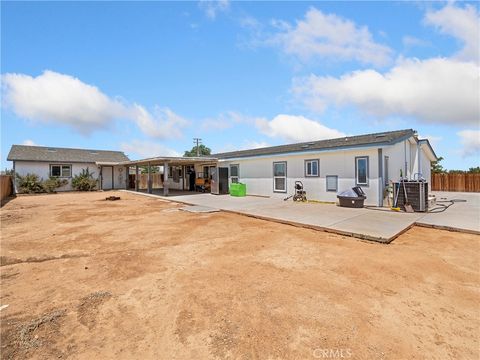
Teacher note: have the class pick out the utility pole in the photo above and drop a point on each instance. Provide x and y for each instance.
(197, 142)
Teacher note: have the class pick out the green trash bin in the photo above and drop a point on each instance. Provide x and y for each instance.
(238, 189)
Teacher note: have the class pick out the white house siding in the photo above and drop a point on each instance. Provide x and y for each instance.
(42, 169)
(425, 168)
(257, 173)
(397, 155)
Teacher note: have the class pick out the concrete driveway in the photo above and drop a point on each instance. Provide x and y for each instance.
(381, 225)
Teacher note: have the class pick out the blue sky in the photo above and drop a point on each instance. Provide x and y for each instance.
(148, 77)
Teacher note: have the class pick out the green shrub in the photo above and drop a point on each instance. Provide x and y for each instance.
(30, 184)
(53, 183)
(84, 181)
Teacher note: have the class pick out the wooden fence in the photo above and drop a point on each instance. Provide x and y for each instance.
(6, 186)
(157, 181)
(456, 182)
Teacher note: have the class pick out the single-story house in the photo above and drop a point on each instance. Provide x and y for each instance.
(66, 163)
(325, 167)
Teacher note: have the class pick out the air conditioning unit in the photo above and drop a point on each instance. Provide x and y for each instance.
(417, 194)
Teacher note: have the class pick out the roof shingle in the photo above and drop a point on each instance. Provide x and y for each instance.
(56, 154)
(385, 138)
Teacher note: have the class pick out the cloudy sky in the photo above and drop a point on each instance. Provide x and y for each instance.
(147, 77)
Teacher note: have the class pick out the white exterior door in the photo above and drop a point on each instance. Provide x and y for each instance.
(107, 178)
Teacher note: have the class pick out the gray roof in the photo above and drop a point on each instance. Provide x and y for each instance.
(56, 154)
(377, 139)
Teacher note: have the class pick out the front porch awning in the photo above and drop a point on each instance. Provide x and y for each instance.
(166, 162)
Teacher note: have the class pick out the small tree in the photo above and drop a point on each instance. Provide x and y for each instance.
(436, 167)
(30, 184)
(474, 170)
(202, 149)
(456, 171)
(153, 169)
(84, 181)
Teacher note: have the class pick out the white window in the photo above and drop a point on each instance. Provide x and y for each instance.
(234, 173)
(361, 170)
(280, 176)
(332, 182)
(311, 168)
(61, 170)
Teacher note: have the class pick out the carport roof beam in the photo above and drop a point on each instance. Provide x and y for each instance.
(159, 161)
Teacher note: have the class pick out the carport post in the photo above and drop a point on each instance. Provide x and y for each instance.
(165, 178)
(149, 179)
(136, 178)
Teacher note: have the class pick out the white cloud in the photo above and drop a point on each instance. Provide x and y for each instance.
(433, 139)
(145, 149)
(54, 97)
(162, 124)
(296, 128)
(29, 142)
(213, 7)
(462, 23)
(63, 99)
(470, 140)
(226, 120)
(434, 91)
(321, 35)
(412, 41)
(245, 145)
(252, 144)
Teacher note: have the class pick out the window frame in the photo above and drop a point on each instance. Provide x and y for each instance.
(234, 179)
(61, 166)
(367, 173)
(306, 167)
(280, 177)
(336, 183)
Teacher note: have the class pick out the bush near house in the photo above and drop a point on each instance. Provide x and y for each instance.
(32, 184)
(84, 181)
(53, 183)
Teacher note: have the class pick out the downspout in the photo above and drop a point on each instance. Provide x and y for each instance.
(405, 158)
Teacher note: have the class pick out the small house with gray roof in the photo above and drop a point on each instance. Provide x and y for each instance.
(66, 162)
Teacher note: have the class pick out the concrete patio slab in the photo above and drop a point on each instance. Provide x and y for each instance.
(463, 216)
(379, 225)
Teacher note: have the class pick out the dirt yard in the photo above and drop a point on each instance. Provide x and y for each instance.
(86, 278)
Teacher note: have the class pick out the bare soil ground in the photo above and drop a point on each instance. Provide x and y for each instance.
(86, 278)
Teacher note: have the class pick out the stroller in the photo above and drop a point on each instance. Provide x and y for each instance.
(300, 194)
